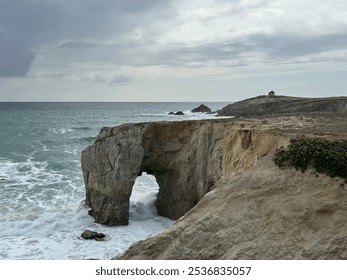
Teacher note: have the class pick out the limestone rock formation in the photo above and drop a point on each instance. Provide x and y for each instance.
(186, 158)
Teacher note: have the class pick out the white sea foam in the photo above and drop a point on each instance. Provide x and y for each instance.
(61, 130)
(56, 234)
(29, 186)
(196, 116)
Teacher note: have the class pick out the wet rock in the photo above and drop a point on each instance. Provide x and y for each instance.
(88, 234)
(99, 239)
(179, 113)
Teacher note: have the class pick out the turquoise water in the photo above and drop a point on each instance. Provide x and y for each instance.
(42, 212)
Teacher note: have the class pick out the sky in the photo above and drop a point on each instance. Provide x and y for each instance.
(171, 50)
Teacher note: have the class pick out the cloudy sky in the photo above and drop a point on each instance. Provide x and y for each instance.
(171, 50)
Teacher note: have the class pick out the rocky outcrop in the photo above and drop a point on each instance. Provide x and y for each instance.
(202, 109)
(270, 105)
(187, 159)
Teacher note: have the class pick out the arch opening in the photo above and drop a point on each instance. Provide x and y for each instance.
(143, 198)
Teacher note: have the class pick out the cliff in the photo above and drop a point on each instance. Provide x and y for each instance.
(270, 105)
(262, 213)
(187, 159)
(219, 180)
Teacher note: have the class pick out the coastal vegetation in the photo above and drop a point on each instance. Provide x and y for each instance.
(325, 156)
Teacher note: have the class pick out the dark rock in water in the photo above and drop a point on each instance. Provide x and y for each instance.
(179, 113)
(171, 113)
(88, 234)
(202, 109)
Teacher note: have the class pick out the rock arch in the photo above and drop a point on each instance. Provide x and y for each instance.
(170, 151)
(187, 158)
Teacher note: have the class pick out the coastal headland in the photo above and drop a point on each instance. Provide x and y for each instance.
(278, 104)
(218, 179)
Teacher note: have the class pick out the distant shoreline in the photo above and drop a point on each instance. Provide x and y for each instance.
(270, 105)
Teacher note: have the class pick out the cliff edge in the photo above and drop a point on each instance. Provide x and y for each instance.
(219, 180)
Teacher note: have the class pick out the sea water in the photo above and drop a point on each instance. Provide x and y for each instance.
(42, 211)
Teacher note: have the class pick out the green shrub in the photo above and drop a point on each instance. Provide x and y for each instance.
(325, 156)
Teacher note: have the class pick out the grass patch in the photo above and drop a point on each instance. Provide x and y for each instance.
(325, 156)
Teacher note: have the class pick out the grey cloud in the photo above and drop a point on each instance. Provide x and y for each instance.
(291, 46)
(78, 45)
(275, 49)
(21, 23)
(144, 55)
(15, 57)
(26, 24)
(97, 79)
(135, 6)
(122, 80)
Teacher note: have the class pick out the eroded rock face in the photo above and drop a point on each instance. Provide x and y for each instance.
(187, 159)
(261, 213)
(110, 168)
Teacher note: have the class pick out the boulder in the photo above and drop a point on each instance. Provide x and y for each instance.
(88, 234)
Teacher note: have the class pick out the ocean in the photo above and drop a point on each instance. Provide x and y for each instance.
(42, 211)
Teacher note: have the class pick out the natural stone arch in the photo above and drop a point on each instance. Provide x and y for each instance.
(180, 163)
(186, 158)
